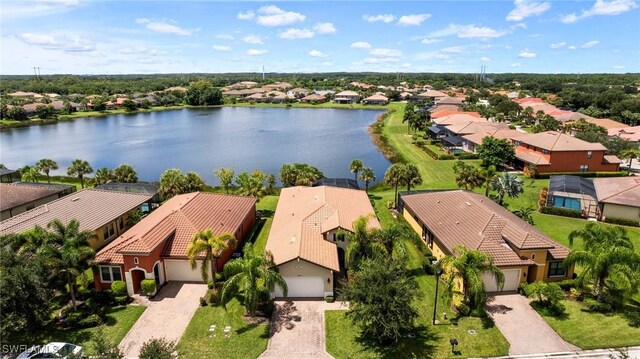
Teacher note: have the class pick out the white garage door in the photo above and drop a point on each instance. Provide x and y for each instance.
(303, 287)
(180, 270)
(511, 281)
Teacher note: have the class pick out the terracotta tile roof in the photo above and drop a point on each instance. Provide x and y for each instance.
(92, 208)
(433, 93)
(14, 194)
(568, 116)
(628, 133)
(476, 127)
(507, 134)
(347, 93)
(557, 141)
(177, 220)
(314, 97)
(466, 218)
(606, 123)
(612, 159)
(377, 98)
(448, 100)
(618, 190)
(447, 112)
(302, 216)
(528, 100)
(532, 158)
(458, 118)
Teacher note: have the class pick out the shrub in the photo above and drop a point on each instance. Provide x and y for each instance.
(92, 320)
(522, 289)
(595, 306)
(468, 156)
(565, 212)
(329, 299)
(122, 299)
(148, 286)
(158, 349)
(576, 293)
(478, 313)
(622, 221)
(446, 157)
(213, 296)
(102, 298)
(119, 288)
(73, 319)
(210, 284)
(567, 285)
(203, 302)
(463, 309)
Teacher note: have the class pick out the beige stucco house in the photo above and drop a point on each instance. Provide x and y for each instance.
(618, 197)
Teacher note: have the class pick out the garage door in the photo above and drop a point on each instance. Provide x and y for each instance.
(511, 281)
(180, 270)
(303, 287)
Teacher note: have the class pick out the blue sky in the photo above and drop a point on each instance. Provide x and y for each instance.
(110, 37)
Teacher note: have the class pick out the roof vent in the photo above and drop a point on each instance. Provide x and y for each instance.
(293, 239)
(316, 197)
(467, 203)
(75, 199)
(457, 222)
(438, 201)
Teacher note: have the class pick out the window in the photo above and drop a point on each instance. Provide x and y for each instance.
(584, 168)
(546, 152)
(517, 143)
(108, 231)
(135, 260)
(110, 273)
(121, 223)
(557, 269)
(334, 236)
(533, 256)
(30, 207)
(589, 154)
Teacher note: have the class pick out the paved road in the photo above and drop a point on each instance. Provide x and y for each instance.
(297, 330)
(632, 352)
(522, 326)
(167, 315)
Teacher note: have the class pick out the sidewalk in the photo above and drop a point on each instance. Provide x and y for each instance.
(633, 353)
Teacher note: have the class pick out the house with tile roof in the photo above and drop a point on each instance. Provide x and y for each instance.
(628, 133)
(618, 197)
(23, 196)
(305, 237)
(446, 219)
(347, 97)
(155, 248)
(376, 99)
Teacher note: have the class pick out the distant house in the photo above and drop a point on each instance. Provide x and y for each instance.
(298, 92)
(151, 189)
(473, 140)
(573, 192)
(449, 101)
(431, 95)
(457, 119)
(23, 196)
(105, 213)
(155, 248)
(446, 219)
(24, 94)
(628, 133)
(347, 97)
(9, 176)
(405, 95)
(376, 100)
(558, 152)
(619, 197)
(314, 98)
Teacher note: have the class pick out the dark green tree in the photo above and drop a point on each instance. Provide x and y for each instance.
(495, 152)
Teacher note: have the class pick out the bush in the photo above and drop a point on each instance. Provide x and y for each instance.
(478, 313)
(148, 286)
(90, 321)
(210, 284)
(213, 296)
(622, 221)
(329, 299)
(565, 212)
(463, 309)
(468, 156)
(203, 302)
(73, 319)
(576, 293)
(122, 299)
(522, 289)
(102, 298)
(595, 306)
(446, 157)
(567, 285)
(158, 349)
(119, 288)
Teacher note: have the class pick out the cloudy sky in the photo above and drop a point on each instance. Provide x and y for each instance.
(109, 37)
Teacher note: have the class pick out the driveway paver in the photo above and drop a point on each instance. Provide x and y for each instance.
(523, 327)
(297, 330)
(167, 315)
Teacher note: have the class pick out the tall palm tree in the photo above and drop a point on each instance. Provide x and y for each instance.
(172, 183)
(468, 265)
(79, 168)
(102, 176)
(45, 166)
(29, 242)
(125, 173)
(467, 176)
(394, 239)
(488, 174)
(356, 166)
(193, 182)
(209, 247)
(607, 258)
(225, 175)
(248, 275)
(367, 175)
(393, 177)
(507, 185)
(411, 176)
(630, 154)
(361, 242)
(30, 175)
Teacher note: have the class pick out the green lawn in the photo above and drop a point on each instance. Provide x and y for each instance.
(120, 319)
(267, 206)
(246, 340)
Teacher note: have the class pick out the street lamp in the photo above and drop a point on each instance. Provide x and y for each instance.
(453, 342)
(435, 300)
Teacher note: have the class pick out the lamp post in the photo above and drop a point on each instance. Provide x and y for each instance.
(435, 300)
(453, 342)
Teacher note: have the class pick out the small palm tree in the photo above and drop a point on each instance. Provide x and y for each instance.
(30, 175)
(356, 166)
(102, 176)
(507, 185)
(125, 173)
(393, 177)
(411, 176)
(488, 174)
(225, 175)
(45, 166)
(79, 168)
(172, 183)
(525, 213)
(630, 154)
(361, 242)
(209, 247)
(367, 175)
(249, 275)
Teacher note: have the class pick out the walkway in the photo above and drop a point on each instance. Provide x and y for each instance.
(167, 315)
(297, 330)
(522, 326)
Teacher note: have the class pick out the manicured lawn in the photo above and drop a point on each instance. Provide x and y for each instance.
(594, 330)
(267, 206)
(120, 319)
(246, 340)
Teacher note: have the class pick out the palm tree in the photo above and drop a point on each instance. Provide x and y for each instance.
(393, 177)
(102, 176)
(361, 242)
(525, 214)
(411, 176)
(79, 168)
(467, 176)
(29, 242)
(367, 175)
(45, 166)
(507, 185)
(250, 275)
(488, 174)
(468, 266)
(394, 238)
(172, 183)
(193, 182)
(630, 154)
(607, 258)
(205, 244)
(125, 173)
(225, 175)
(356, 166)
(409, 116)
(30, 175)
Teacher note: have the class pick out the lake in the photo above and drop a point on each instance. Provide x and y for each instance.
(202, 140)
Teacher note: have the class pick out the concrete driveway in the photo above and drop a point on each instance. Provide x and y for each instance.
(523, 327)
(297, 330)
(167, 315)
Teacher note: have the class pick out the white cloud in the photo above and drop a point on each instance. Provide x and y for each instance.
(430, 41)
(520, 25)
(590, 44)
(413, 19)
(618, 67)
(256, 52)
(526, 53)
(602, 7)
(221, 48)
(166, 27)
(572, 47)
(468, 31)
(253, 39)
(452, 50)
(273, 16)
(386, 18)
(327, 63)
(59, 42)
(517, 64)
(361, 45)
(316, 53)
(558, 45)
(224, 37)
(36, 8)
(296, 34)
(324, 28)
(386, 52)
(485, 59)
(246, 15)
(380, 60)
(526, 8)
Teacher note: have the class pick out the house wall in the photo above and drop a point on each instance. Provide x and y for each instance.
(27, 206)
(98, 241)
(97, 280)
(299, 267)
(570, 161)
(621, 211)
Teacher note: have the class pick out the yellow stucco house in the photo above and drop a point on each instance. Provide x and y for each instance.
(446, 219)
(618, 197)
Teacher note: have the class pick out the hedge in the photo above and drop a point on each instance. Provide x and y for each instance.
(565, 212)
(119, 288)
(468, 156)
(581, 174)
(148, 286)
(430, 153)
(622, 221)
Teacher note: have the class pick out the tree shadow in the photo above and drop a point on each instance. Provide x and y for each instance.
(420, 343)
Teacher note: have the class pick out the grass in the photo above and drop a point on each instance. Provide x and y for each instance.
(120, 319)
(267, 206)
(246, 340)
